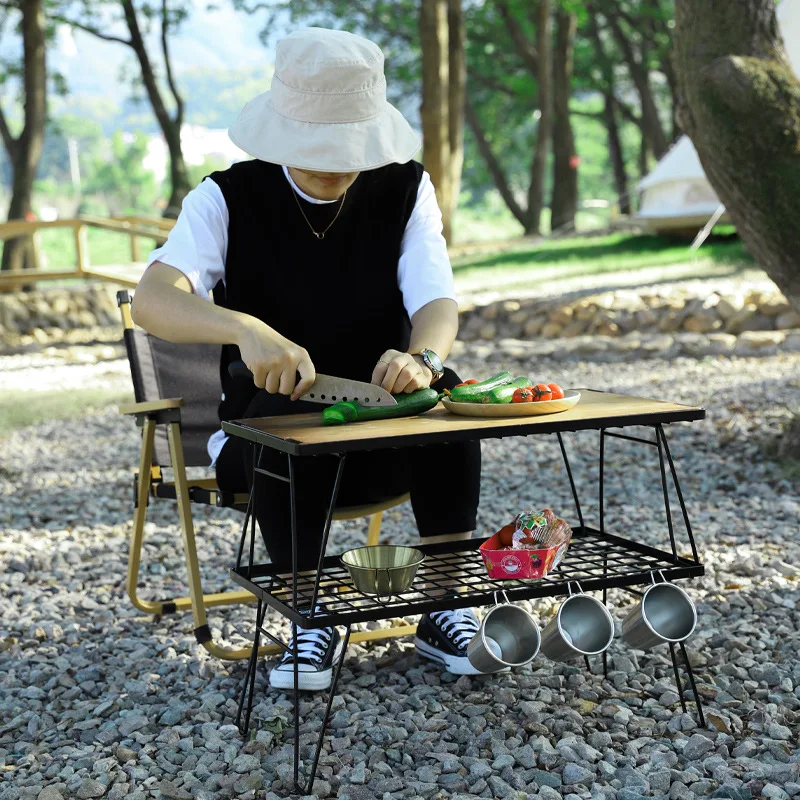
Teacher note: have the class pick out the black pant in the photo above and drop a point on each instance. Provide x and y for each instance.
(444, 481)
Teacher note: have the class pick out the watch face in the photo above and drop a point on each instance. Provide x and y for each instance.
(435, 361)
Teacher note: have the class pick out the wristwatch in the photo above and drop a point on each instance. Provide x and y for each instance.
(432, 362)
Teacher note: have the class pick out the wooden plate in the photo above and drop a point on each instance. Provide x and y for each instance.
(571, 397)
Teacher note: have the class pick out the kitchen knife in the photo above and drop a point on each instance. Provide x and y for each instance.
(328, 390)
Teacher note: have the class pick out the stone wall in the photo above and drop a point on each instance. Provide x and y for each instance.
(665, 311)
(83, 313)
(650, 322)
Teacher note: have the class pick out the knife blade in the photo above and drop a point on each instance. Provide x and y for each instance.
(328, 389)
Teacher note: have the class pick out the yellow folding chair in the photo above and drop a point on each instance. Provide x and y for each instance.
(176, 388)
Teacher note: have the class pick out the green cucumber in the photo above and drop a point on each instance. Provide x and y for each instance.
(408, 405)
(475, 392)
(504, 394)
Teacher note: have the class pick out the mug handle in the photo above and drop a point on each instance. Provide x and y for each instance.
(653, 577)
(569, 588)
(505, 597)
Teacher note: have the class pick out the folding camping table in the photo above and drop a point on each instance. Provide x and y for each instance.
(453, 574)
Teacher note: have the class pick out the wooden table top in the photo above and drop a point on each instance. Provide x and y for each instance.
(304, 434)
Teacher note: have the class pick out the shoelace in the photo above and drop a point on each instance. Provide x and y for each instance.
(311, 646)
(460, 625)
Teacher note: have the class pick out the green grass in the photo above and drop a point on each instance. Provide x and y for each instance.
(617, 252)
(20, 409)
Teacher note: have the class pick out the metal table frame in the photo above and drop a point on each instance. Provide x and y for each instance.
(596, 559)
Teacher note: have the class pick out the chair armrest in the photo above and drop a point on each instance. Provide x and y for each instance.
(151, 405)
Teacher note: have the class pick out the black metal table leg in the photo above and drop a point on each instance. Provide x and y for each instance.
(248, 686)
(308, 789)
(571, 479)
(690, 673)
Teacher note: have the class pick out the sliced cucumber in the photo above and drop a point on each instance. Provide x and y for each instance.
(408, 405)
(475, 392)
(504, 394)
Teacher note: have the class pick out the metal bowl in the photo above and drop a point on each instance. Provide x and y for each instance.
(382, 569)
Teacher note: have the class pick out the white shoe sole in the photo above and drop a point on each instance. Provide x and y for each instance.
(458, 665)
(306, 681)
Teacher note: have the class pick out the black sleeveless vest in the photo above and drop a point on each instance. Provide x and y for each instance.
(338, 297)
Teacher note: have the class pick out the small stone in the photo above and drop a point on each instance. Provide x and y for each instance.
(573, 773)
(49, 793)
(787, 321)
(359, 774)
(548, 793)
(125, 754)
(697, 746)
(735, 323)
(774, 305)
(732, 793)
(246, 763)
(669, 698)
(630, 794)
(542, 777)
(600, 739)
(773, 791)
(779, 732)
(525, 757)
(132, 723)
(499, 787)
(90, 788)
(173, 792)
(719, 722)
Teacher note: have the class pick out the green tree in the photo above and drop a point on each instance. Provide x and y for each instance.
(120, 177)
(27, 17)
(100, 18)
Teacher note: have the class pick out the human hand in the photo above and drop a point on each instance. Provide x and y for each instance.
(274, 360)
(401, 372)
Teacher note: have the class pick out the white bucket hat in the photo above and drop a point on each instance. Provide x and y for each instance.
(326, 109)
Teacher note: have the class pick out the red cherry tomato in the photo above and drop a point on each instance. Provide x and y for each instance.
(541, 392)
(556, 391)
(524, 395)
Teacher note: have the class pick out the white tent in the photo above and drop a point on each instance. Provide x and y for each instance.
(676, 194)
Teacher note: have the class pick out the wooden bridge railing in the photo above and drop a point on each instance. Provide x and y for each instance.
(131, 226)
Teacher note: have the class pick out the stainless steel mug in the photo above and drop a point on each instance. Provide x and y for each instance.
(582, 627)
(508, 637)
(664, 614)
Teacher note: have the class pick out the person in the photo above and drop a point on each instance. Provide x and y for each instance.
(323, 253)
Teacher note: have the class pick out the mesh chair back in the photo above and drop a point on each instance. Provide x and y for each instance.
(161, 370)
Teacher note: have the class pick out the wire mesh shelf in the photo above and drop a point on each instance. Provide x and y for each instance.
(453, 575)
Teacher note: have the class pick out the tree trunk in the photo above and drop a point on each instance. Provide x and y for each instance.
(615, 151)
(544, 33)
(644, 154)
(170, 128)
(179, 175)
(493, 164)
(434, 109)
(740, 101)
(641, 79)
(564, 204)
(616, 155)
(456, 95)
(27, 149)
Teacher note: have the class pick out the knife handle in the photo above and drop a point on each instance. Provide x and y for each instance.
(238, 369)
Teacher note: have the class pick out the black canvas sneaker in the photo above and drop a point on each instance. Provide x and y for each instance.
(317, 650)
(443, 637)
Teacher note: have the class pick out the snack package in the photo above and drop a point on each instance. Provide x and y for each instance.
(530, 547)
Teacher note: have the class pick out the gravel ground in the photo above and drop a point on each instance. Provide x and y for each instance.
(97, 700)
